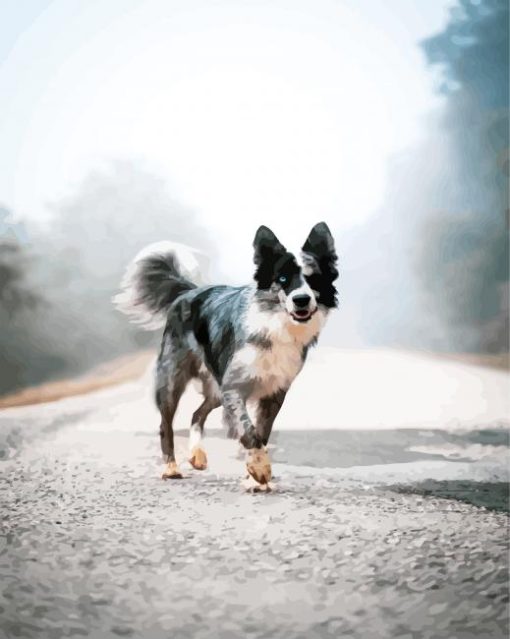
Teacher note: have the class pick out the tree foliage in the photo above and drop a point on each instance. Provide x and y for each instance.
(14, 295)
(76, 266)
(463, 260)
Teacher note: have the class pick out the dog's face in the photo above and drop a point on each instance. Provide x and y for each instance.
(300, 288)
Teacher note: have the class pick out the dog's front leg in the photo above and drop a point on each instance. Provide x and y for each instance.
(238, 422)
(267, 410)
(240, 425)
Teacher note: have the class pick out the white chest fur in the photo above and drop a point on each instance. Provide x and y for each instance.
(272, 368)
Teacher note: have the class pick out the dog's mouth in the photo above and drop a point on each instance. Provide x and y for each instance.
(303, 315)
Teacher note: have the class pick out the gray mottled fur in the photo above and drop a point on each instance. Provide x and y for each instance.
(185, 356)
(242, 343)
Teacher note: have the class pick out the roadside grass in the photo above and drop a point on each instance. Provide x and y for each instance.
(131, 366)
(118, 371)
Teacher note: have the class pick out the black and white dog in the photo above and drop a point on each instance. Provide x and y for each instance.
(245, 344)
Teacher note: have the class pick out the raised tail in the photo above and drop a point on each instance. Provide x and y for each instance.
(155, 279)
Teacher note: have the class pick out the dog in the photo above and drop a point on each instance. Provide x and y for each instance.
(245, 344)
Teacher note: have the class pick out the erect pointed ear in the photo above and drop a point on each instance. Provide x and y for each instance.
(319, 252)
(320, 243)
(267, 246)
(319, 259)
(268, 250)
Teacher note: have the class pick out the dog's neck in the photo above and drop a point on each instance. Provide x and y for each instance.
(275, 323)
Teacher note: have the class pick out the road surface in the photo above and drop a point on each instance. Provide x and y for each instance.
(357, 539)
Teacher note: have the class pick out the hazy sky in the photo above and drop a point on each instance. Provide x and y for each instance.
(277, 112)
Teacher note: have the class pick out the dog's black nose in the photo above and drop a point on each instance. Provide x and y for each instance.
(301, 301)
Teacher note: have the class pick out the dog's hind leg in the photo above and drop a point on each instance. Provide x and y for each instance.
(267, 410)
(198, 458)
(168, 394)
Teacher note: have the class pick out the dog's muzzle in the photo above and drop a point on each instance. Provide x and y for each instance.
(302, 311)
(303, 315)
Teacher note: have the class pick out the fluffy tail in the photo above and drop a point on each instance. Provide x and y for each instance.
(154, 279)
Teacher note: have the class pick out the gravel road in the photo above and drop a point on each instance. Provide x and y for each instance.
(95, 544)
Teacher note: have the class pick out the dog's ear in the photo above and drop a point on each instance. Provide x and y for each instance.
(268, 250)
(320, 243)
(320, 259)
(266, 245)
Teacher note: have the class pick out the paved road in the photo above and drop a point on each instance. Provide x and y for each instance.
(95, 544)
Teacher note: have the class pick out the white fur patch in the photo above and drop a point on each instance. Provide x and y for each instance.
(304, 289)
(279, 326)
(185, 256)
(275, 368)
(195, 436)
(207, 385)
(128, 300)
(308, 264)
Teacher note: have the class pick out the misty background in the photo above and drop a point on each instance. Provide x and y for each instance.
(297, 118)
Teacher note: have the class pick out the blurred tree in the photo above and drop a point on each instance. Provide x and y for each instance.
(94, 234)
(463, 261)
(431, 270)
(79, 259)
(14, 295)
(19, 301)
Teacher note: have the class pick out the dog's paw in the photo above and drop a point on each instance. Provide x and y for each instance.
(171, 471)
(252, 486)
(198, 458)
(258, 465)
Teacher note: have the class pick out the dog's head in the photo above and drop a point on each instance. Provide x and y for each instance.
(299, 287)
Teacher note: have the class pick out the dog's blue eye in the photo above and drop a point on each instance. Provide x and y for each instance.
(282, 279)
